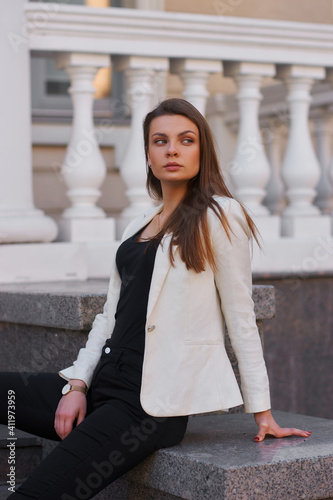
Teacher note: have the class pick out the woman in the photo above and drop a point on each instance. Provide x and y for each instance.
(177, 269)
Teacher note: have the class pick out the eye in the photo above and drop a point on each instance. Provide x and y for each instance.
(159, 141)
(188, 140)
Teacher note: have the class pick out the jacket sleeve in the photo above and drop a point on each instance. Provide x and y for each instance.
(88, 357)
(233, 280)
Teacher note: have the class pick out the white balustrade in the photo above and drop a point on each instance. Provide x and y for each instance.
(20, 221)
(275, 200)
(323, 130)
(194, 74)
(300, 167)
(224, 138)
(142, 81)
(83, 168)
(329, 76)
(141, 46)
(160, 83)
(250, 171)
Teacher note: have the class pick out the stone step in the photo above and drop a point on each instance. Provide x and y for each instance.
(218, 460)
(24, 448)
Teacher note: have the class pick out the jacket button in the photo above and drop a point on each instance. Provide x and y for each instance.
(107, 350)
(151, 328)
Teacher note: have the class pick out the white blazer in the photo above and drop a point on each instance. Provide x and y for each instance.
(186, 369)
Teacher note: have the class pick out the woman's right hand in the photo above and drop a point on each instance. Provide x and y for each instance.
(71, 406)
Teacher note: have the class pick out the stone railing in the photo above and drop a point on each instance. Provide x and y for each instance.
(146, 45)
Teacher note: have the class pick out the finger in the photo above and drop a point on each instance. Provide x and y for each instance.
(281, 432)
(68, 426)
(286, 431)
(264, 429)
(64, 424)
(58, 425)
(260, 436)
(58, 420)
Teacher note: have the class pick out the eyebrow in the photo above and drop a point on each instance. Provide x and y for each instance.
(179, 135)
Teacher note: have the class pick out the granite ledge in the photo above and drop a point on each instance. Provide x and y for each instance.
(70, 305)
(218, 459)
(73, 305)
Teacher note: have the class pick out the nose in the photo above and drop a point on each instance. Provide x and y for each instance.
(172, 150)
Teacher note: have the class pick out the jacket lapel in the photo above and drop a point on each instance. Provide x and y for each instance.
(162, 262)
(161, 267)
(139, 222)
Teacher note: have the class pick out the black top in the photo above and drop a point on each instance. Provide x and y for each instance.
(135, 263)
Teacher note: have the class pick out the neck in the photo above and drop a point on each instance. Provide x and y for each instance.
(172, 196)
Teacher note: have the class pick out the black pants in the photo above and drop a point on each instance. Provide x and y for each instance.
(114, 437)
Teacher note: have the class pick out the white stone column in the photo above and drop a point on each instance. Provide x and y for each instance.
(251, 169)
(323, 130)
(194, 74)
(141, 76)
(329, 76)
(20, 221)
(159, 86)
(275, 199)
(300, 167)
(225, 139)
(83, 169)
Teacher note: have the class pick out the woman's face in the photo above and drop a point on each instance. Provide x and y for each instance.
(174, 149)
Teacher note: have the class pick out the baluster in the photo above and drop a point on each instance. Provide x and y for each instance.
(141, 77)
(274, 200)
(300, 167)
(224, 137)
(20, 220)
(329, 76)
(251, 170)
(194, 74)
(322, 120)
(83, 169)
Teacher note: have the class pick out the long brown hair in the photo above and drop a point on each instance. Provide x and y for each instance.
(188, 222)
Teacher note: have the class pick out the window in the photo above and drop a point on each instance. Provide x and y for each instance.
(50, 99)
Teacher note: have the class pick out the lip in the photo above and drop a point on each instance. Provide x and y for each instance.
(172, 165)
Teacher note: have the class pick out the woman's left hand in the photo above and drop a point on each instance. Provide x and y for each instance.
(268, 427)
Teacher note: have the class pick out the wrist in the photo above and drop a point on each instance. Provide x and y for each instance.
(260, 413)
(75, 385)
(79, 382)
